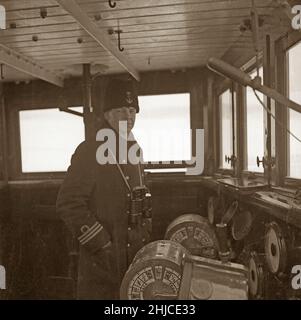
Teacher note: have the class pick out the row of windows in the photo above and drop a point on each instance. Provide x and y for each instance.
(49, 137)
(255, 131)
(254, 124)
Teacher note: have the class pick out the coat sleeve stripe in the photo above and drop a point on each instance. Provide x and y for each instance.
(99, 228)
(88, 232)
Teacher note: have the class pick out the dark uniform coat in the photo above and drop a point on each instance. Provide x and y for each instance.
(93, 201)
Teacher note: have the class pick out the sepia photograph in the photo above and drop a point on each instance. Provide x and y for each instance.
(150, 150)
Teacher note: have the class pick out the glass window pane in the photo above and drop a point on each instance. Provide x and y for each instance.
(295, 117)
(295, 146)
(48, 139)
(226, 131)
(255, 127)
(162, 127)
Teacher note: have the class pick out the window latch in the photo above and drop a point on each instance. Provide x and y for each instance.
(265, 162)
(258, 161)
(232, 160)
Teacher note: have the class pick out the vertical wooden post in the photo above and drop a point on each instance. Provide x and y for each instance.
(241, 145)
(267, 66)
(281, 114)
(3, 137)
(210, 152)
(3, 172)
(87, 102)
(234, 131)
(197, 99)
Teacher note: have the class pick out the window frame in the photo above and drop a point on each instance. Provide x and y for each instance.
(171, 165)
(240, 124)
(15, 147)
(288, 179)
(249, 67)
(220, 89)
(246, 172)
(283, 46)
(224, 88)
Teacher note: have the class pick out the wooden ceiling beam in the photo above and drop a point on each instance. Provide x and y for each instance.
(26, 65)
(99, 36)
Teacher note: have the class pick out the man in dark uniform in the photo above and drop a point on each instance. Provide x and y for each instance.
(101, 203)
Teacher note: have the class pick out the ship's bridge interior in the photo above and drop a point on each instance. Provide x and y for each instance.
(219, 85)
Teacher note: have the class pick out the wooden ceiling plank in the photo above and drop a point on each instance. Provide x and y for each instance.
(124, 41)
(59, 23)
(132, 52)
(168, 46)
(44, 43)
(45, 36)
(94, 54)
(15, 15)
(196, 30)
(163, 45)
(157, 27)
(61, 47)
(176, 62)
(39, 22)
(176, 59)
(165, 49)
(201, 21)
(88, 43)
(187, 35)
(184, 37)
(197, 15)
(27, 4)
(126, 7)
(138, 4)
(18, 43)
(81, 34)
(40, 30)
